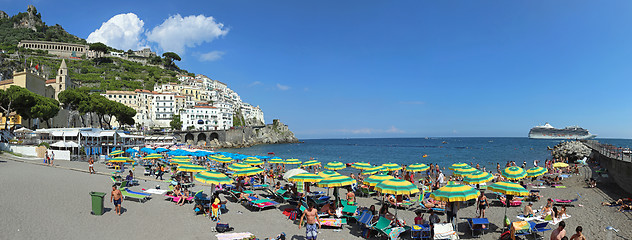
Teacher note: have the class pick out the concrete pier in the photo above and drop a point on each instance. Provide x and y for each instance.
(615, 160)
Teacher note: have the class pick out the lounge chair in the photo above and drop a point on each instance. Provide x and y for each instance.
(128, 195)
(116, 182)
(412, 202)
(348, 211)
(260, 203)
(383, 226)
(538, 227)
(478, 224)
(280, 194)
(513, 203)
(187, 199)
(365, 191)
(444, 231)
(139, 193)
(422, 231)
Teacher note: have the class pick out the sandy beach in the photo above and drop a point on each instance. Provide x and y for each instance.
(42, 202)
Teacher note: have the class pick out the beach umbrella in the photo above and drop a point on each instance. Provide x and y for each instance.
(458, 165)
(147, 150)
(335, 165)
(508, 188)
(419, 167)
(396, 186)
(253, 161)
(477, 178)
(222, 159)
(336, 181)
(328, 173)
(373, 170)
(120, 160)
(237, 166)
(455, 193)
(377, 178)
(361, 165)
(305, 177)
(179, 162)
(513, 173)
(292, 161)
(247, 172)
(560, 165)
(293, 172)
(191, 168)
(464, 171)
(536, 171)
(275, 160)
(310, 163)
(391, 166)
(117, 152)
(153, 156)
(212, 177)
(180, 158)
(160, 149)
(131, 150)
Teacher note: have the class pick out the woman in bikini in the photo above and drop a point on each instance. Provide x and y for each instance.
(482, 205)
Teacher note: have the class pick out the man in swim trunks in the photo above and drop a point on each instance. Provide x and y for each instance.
(311, 215)
(91, 166)
(117, 196)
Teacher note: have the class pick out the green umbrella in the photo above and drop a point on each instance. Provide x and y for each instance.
(310, 163)
(337, 181)
(117, 152)
(335, 166)
(455, 193)
(120, 160)
(328, 173)
(306, 177)
(396, 187)
(536, 172)
(212, 177)
(179, 162)
(464, 171)
(181, 157)
(420, 167)
(253, 162)
(391, 166)
(458, 165)
(373, 170)
(361, 165)
(222, 159)
(508, 188)
(248, 172)
(377, 178)
(153, 156)
(275, 160)
(477, 178)
(237, 166)
(513, 173)
(292, 161)
(191, 168)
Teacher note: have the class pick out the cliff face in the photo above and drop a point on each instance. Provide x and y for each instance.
(274, 133)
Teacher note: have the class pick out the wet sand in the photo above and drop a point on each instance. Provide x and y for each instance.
(41, 202)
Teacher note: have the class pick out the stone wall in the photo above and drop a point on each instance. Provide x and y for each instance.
(242, 137)
(619, 171)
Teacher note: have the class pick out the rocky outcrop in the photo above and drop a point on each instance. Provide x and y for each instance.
(572, 151)
(31, 19)
(274, 133)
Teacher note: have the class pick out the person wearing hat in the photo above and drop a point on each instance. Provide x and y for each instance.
(528, 210)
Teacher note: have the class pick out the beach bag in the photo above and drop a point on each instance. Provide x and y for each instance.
(223, 227)
(505, 236)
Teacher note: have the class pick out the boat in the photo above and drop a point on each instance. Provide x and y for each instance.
(547, 131)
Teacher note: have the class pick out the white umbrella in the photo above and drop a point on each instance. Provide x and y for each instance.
(293, 172)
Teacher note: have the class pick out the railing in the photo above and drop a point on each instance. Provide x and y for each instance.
(609, 151)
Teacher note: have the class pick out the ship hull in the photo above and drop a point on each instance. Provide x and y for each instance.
(538, 136)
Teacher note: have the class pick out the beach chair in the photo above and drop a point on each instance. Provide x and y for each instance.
(420, 231)
(139, 193)
(478, 224)
(128, 195)
(412, 202)
(365, 191)
(538, 228)
(280, 194)
(383, 227)
(348, 211)
(260, 203)
(512, 203)
(444, 231)
(362, 217)
(116, 182)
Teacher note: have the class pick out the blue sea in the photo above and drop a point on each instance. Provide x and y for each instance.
(486, 151)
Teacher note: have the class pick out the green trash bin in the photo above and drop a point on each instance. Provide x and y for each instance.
(97, 202)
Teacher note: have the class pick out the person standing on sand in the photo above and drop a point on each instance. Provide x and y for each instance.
(559, 232)
(578, 234)
(52, 157)
(91, 165)
(311, 215)
(117, 196)
(46, 157)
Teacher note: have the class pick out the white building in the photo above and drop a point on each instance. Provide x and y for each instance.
(164, 107)
(203, 118)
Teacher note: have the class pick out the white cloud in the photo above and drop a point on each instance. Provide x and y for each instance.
(211, 56)
(393, 129)
(255, 83)
(122, 31)
(176, 32)
(282, 87)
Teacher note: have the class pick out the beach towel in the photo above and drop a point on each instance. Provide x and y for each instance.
(444, 231)
(394, 234)
(523, 218)
(234, 236)
(156, 191)
(519, 227)
(331, 222)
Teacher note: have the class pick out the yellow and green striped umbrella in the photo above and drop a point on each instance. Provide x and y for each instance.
(560, 165)
(361, 165)
(455, 193)
(222, 159)
(464, 171)
(181, 158)
(180, 162)
(306, 177)
(335, 165)
(310, 163)
(396, 187)
(328, 173)
(253, 161)
(191, 168)
(120, 160)
(337, 181)
(237, 166)
(275, 160)
(508, 188)
(292, 161)
(373, 170)
(513, 173)
(247, 172)
(377, 178)
(419, 167)
(458, 165)
(536, 171)
(391, 166)
(477, 178)
(212, 177)
(153, 156)
(117, 152)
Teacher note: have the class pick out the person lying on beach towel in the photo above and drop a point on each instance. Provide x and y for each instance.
(625, 207)
(615, 203)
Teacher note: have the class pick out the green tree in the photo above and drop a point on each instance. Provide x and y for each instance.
(124, 114)
(99, 48)
(169, 57)
(16, 99)
(176, 123)
(45, 109)
(72, 100)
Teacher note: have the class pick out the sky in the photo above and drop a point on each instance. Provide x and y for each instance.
(369, 69)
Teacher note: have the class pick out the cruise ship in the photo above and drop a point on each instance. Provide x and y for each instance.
(549, 132)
